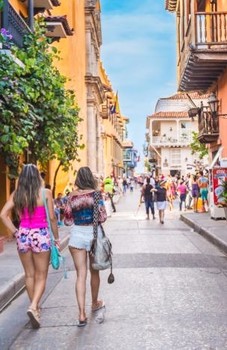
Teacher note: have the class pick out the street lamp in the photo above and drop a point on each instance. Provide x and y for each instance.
(213, 103)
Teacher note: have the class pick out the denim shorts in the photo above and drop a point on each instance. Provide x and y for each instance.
(36, 240)
(81, 237)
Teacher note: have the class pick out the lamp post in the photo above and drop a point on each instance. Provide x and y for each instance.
(213, 103)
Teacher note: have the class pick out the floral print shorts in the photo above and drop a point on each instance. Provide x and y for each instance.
(36, 239)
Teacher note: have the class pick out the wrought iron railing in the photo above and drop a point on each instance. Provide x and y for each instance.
(14, 23)
(211, 28)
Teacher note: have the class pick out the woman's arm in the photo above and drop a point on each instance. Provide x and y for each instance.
(5, 215)
(53, 220)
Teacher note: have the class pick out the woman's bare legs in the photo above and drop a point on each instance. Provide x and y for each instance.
(80, 261)
(36, 269)
(95, 283)
(161, 216)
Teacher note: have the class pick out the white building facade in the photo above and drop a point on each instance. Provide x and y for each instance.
(170, 133)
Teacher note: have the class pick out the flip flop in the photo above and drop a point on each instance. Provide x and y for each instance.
(82, 323)
(101, 304)
(34, 318)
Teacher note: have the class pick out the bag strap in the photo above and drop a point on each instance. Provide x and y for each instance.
(61, 257)
(96, 214)
(48, 216)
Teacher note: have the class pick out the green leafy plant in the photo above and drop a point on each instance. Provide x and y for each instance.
(198, 147)
(6, 38)
(39, 116)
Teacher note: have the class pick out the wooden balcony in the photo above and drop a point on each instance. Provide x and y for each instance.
(14, 23)
(203, 53)
(58, 27)
(208, 126)
(42, 5)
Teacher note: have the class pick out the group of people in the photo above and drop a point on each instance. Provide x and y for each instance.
(34, 240)
(154, 192)
(164, 191)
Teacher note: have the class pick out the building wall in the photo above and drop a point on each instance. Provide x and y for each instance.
(73, 65)
(222, 93)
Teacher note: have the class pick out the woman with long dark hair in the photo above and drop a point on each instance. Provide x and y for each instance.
(33, 237)
(79, 213)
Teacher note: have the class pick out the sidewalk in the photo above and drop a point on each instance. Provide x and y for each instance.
(213, 230)
(11, 272)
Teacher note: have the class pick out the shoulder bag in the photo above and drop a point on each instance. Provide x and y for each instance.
(101, 250)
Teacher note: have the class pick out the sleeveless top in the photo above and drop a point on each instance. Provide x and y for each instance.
(36, 220)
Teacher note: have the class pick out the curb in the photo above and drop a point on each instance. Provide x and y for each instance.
(17, 284)
(203, 232)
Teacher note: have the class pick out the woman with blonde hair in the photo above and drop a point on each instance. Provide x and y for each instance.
(79, 212)
(32, 236)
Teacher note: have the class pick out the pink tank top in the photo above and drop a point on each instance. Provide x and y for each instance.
(37, 220)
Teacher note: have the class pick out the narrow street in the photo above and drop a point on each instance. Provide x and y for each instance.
(169, 293)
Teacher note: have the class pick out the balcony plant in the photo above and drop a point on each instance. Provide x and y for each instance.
(5, 39)
(38, 114)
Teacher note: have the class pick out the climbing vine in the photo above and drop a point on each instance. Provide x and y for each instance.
(39, 116)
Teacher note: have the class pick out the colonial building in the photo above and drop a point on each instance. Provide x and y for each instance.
(202, 65)
(169, 135)
(113, 130)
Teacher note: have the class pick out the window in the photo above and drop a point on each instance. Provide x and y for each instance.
(175, 156)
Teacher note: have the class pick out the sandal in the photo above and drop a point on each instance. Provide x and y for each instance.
(34, 317)
(99, 305)
(82, 323)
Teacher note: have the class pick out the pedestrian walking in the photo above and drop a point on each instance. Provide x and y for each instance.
(125, 186)
(79, 213)
(32, 236)
(109, 190)
(203, 183)
(171, 190)
(195, 192)
(148, 196)
(182, 190)
(161, 197)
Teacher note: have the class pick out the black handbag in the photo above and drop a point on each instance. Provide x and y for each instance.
(101, 249)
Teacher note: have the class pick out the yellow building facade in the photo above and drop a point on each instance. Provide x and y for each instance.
(75, 28)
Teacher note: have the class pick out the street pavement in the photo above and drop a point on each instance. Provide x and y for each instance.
(169, 290)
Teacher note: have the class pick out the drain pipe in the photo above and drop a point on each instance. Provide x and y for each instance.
(31, 14)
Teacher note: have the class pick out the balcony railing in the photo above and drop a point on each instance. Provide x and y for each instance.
(166, 141)
(211, 28)
(203, 51)
(208, 127)
(14, 23)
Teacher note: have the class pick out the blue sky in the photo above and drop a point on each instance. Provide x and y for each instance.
(139, 56)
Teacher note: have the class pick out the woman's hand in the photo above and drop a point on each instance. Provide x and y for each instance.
(57, 243)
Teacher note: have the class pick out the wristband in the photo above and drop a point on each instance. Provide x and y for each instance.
(57, 240)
